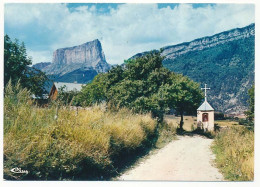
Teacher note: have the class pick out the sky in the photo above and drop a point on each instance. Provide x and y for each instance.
(123, 29)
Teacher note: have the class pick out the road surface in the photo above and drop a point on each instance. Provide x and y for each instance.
(187, 159)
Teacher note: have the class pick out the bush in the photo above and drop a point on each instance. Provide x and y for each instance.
(242, 121)
(234, 149)
(75, 145)
(246, 122)
(219, 116)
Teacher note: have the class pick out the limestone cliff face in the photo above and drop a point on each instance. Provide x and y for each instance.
(88, 57)
(173, 51)
(89, 54)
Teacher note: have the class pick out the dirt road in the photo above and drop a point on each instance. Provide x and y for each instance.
(187, 159)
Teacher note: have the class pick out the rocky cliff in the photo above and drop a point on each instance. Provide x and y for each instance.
(224, 61)
(76, 64)
(173, 51)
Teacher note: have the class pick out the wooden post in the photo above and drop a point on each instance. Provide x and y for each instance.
(56, 114)
(77, 111)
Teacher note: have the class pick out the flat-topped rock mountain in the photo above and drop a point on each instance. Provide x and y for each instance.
(78, 63)
(224, 61)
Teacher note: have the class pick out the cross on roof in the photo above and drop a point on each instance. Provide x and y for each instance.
(205, 91)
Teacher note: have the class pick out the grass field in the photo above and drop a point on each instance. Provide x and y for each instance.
(189, 121)
(226, 123)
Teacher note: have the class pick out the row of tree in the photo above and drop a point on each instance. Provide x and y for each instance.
(143, 85)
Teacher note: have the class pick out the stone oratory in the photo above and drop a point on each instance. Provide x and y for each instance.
(205, 114)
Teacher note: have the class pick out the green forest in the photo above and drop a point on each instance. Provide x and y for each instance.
(224, 68)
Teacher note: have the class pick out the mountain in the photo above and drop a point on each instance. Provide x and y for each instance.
(224, 61)
(41, 65)
(79, 63)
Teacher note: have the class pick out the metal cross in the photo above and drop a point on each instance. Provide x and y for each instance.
(205, 91)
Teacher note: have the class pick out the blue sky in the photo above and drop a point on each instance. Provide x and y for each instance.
(123, 29)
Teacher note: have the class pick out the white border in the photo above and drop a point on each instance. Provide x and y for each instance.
(137, 183)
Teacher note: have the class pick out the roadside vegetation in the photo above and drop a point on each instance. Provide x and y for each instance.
(234, 146)
(81, 144)
(234, 149)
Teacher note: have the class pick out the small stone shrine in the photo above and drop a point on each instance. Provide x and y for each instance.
(205, 114)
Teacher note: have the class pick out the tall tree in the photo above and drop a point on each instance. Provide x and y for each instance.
(251, 112)
(185, 96)
(15, 60)
(16, 67)
(139, 86)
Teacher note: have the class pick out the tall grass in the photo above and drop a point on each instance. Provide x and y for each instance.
(83, 144)
(234, 149)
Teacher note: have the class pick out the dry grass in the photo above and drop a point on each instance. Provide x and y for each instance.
(189, 121)
(234, 149)
(77, 145)
(226, 123)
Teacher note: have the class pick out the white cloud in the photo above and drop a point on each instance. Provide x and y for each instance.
(129, 29)
(40, 56)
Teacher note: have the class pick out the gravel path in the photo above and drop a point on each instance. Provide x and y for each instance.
(187, 159)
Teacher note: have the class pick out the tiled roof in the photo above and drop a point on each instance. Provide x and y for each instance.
(205, 106)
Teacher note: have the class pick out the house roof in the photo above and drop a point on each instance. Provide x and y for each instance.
(47, 86)
(68, 86)
(205, 106)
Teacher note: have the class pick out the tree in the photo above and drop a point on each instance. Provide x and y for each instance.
(251, 112)
(139, 86)
(93, 92)
(144, 85)
(185, 96)
(16, 67)
(15, 60)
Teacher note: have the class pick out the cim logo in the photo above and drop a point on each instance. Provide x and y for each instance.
(19, 170)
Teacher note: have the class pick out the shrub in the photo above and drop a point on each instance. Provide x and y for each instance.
(242, 121)
(219, 116)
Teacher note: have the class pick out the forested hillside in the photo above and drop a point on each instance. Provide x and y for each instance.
(227, 68)
(224, 61)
